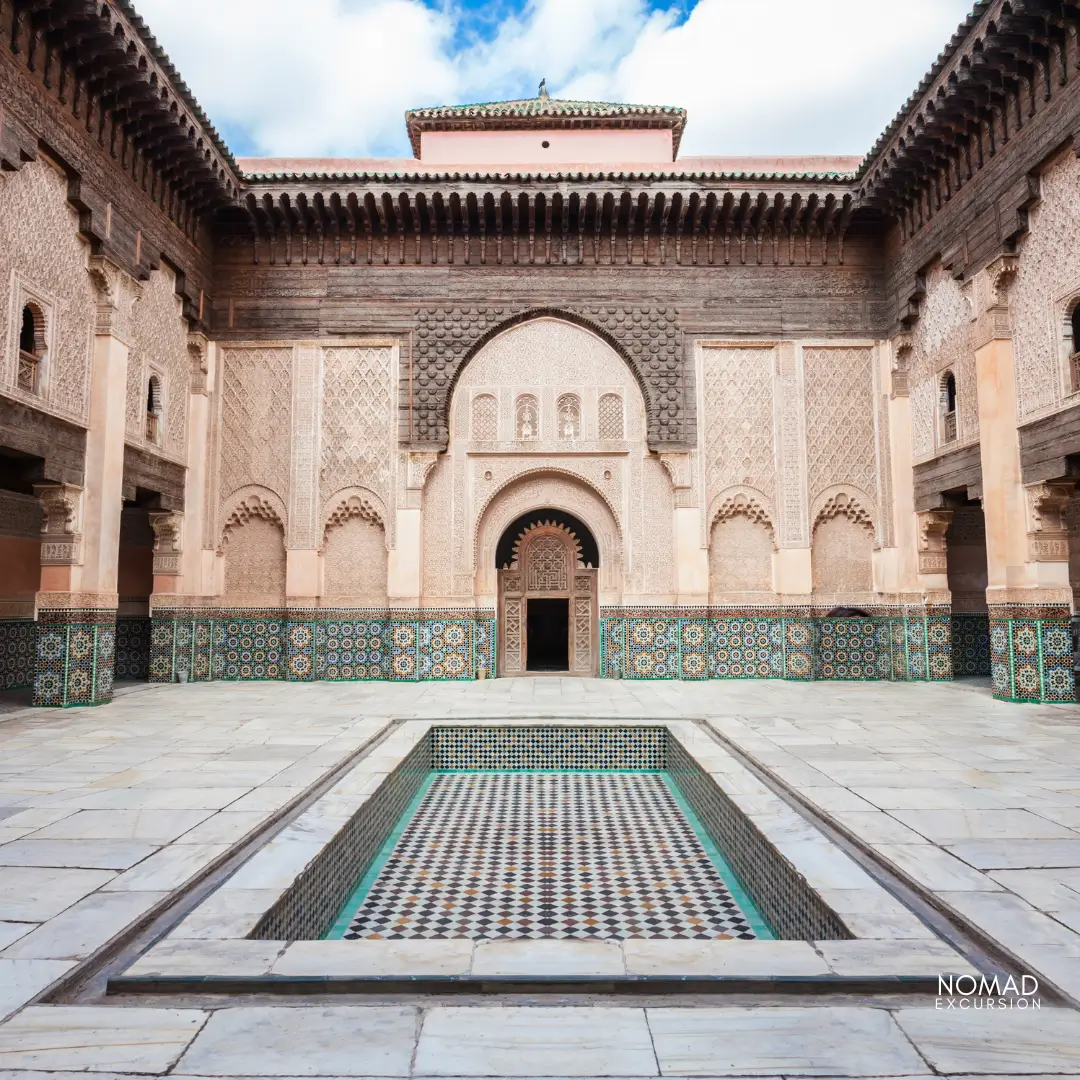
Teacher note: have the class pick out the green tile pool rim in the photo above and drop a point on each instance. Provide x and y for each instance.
(755, 919)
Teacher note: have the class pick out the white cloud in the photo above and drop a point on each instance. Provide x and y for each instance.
(333, 77)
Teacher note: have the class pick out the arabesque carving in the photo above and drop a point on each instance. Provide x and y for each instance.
(253, 505)
(742, 504)
(844, 504)
(61, 539)
(1048, 530)
(168, 530)
(568, 539)
(932, 543)
(355, 505)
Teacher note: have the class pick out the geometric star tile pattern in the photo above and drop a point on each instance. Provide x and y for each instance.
(549, 855)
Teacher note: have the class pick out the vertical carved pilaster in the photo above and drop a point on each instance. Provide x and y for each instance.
(61, 530)
(304, 486)
(680, 469)
(791, 442)
(991, 319)
(902, 350)
(117, 293)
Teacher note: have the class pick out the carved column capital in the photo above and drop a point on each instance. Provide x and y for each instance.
(1048, 532)
(992, 321)
(198, 346)
(117, 292)
(932, 527)
(421, 462)
(61, 536)
(168, 532)
(1001, 273)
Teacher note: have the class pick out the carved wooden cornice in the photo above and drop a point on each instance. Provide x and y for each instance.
(99, 60)
(493, 220)
(1007, 61)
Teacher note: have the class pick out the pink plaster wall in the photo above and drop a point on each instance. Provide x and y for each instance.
(21, 562)
(526, 147)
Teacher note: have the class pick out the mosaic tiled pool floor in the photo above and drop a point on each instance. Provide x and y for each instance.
(589, 855)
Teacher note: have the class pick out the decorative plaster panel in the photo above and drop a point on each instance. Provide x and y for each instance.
(39, 243)
(1047, 284)
(256, 406)
(159, 343)
(940, 342)
(840, 419)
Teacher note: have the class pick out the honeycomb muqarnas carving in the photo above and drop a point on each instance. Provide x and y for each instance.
(648, 338)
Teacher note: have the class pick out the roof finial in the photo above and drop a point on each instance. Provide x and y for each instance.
(542, 92)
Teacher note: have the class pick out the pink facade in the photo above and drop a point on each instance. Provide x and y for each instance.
(540, 148)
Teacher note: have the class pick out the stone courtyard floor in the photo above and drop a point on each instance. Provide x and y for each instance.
(105, 812)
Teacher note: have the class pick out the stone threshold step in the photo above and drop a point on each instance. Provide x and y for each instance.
(318, 985)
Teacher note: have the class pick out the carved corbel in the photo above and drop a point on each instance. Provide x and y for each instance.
(168, 532)
(933, 555)
(117, 293)
(421, 462)
(198, 345)
(902, 348)
(681, 474)
(61, 536)
(1001, 273)
(1048, 532)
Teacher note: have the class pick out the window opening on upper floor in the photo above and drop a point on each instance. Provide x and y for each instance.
(153, 410)
(948, 407)
(31, 347)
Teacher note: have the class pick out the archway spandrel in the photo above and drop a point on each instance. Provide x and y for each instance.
(647, 339)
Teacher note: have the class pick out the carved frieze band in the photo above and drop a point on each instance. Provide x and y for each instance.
(1048, 532)
(304, 486)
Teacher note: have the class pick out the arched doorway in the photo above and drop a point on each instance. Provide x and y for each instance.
(547, 596)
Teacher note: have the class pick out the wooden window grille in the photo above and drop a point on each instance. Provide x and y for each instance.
(948, 407)
(153, 410)
(31, 348)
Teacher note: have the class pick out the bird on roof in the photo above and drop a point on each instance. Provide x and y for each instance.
(542, 92)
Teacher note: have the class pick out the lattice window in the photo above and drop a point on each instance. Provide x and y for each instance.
(547, 565)
(485, 418)
(569, 410)
(1074, 348)
(153, 410)
(32, 346)
(948, 406)
(527, 418)
(611, 422)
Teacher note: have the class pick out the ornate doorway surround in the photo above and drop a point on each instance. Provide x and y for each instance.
(547, 565)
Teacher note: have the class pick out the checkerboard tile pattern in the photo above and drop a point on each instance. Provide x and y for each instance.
(549, 855)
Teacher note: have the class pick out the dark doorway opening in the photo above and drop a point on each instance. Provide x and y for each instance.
(547, 634)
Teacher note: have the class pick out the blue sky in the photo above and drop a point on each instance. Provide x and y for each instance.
(333, 77)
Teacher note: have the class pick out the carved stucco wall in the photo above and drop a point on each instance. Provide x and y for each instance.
(1047, 282)
(358, 424)
(41, 253)
(941, 341)
(546, 359)
(159, 346)
(256, 428)
(737, 423)
(354, 566)
(255, 564)
(841, 558)
(740, 559)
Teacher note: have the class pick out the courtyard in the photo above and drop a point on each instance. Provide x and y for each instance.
(116, 821)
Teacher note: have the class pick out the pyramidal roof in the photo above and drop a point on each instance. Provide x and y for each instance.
(543, 111)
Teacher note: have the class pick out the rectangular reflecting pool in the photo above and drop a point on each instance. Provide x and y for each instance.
(549, 854)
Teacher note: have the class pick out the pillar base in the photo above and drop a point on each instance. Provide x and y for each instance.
(75, 656)
(1031, 653)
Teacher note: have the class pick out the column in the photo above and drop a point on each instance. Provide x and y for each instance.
(928, 634)
(81, 538)
(1026, 547)
(691, 557)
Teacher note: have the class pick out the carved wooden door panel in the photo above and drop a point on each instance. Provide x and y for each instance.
(546, 566)
(511, 625)
(584, 624)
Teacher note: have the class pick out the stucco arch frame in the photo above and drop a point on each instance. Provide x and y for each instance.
(858, 508)
(268, 504)
(341, 497)
(652, 419)
(756, 506)
(504, 508)
(541, 471)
